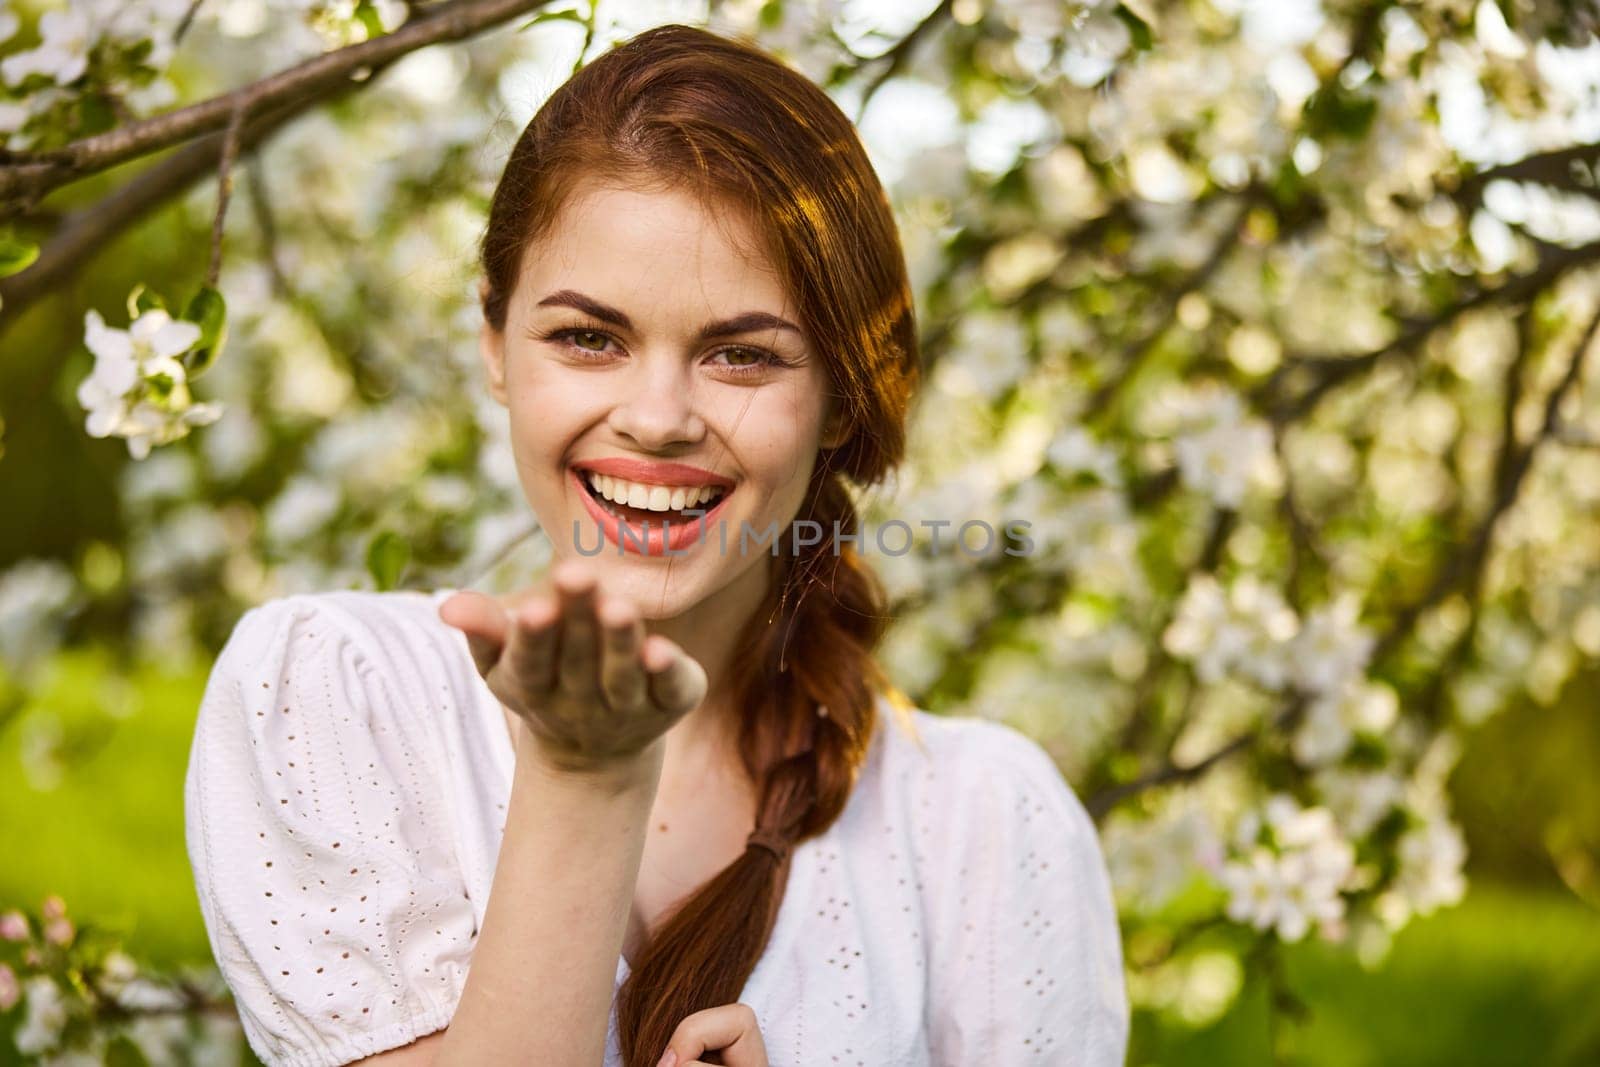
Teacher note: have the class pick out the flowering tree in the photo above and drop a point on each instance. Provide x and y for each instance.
(1272, 319)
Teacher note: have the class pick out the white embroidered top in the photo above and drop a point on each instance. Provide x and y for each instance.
(344, 802)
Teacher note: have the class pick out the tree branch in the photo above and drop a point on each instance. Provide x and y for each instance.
(1559, 169)
(1511, 468)
(1106, 799)
(89, 229)
(28, 176)
(1330, 371)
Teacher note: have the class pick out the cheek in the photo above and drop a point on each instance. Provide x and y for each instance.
(548, 409)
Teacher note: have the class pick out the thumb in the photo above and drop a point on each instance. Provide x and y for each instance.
(483, 620)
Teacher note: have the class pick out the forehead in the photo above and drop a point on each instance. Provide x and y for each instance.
(656, 250)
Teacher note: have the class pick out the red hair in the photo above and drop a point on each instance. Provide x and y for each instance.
(681, 107)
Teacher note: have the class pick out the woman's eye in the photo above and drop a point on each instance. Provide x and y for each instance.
(598, 338)
(749, 360)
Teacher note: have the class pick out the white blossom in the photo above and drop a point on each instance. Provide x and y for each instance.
(1074, 450)
(1291, 880)
(989, 355)
(1331, 647)
(1359, 799)
(117, 970)
(120, 393)
(303, 507)
(1223, 450)
(46, 1014)
(1244, 629)
(62, 52)
(1431, 856)
(1152, 859)
(1333, 719)
(161, 1037)
(35, 597)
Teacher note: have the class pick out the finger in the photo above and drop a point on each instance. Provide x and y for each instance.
(730, 1029)
(578, 663)
(677, 682)
(621, 674)
(482, 620)
(531, 651)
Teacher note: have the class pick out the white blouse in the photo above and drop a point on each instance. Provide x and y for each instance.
(344, 803)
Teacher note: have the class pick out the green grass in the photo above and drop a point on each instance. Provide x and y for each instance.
(109, 837)
(1508, 977)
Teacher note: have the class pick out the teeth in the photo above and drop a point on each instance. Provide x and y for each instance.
(651, 497)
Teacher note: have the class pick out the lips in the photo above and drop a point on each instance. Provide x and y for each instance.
(654, 472)
(673, 533)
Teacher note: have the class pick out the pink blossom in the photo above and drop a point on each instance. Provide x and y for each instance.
(10, 990)
(13, 926)
(59, 931)
(54, 907)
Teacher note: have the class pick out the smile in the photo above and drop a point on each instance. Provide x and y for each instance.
(654, 514)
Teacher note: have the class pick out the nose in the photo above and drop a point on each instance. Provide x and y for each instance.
(655, 405)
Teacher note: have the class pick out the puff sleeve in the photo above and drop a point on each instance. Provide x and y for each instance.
(1026, 964)
(325, 872)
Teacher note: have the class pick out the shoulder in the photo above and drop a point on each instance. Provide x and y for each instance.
(964, 758)
(375, 621)
(961, 785)
(350, 631)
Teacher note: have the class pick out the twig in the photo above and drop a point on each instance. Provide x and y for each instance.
(1106, 799)
(230, 152)
(186, 21)
(588, 35)
(1302, 541)
(1133, 355)
(899, 54)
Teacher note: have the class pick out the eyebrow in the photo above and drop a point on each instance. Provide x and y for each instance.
(748, 322)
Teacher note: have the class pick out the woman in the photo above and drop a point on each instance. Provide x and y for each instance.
(646, 812)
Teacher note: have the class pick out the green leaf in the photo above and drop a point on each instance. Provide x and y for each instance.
(142, 300)
(122, 1052)
(387, 557)
(555, 16)
(209, 311)
(15, 253)
(367, 15)
(1337, 112)
(95, 114)
(1138, 28)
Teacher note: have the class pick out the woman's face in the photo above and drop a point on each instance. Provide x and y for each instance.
(646, 332)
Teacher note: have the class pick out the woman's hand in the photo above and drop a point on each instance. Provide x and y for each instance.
(730, 1030)
(577, 667)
